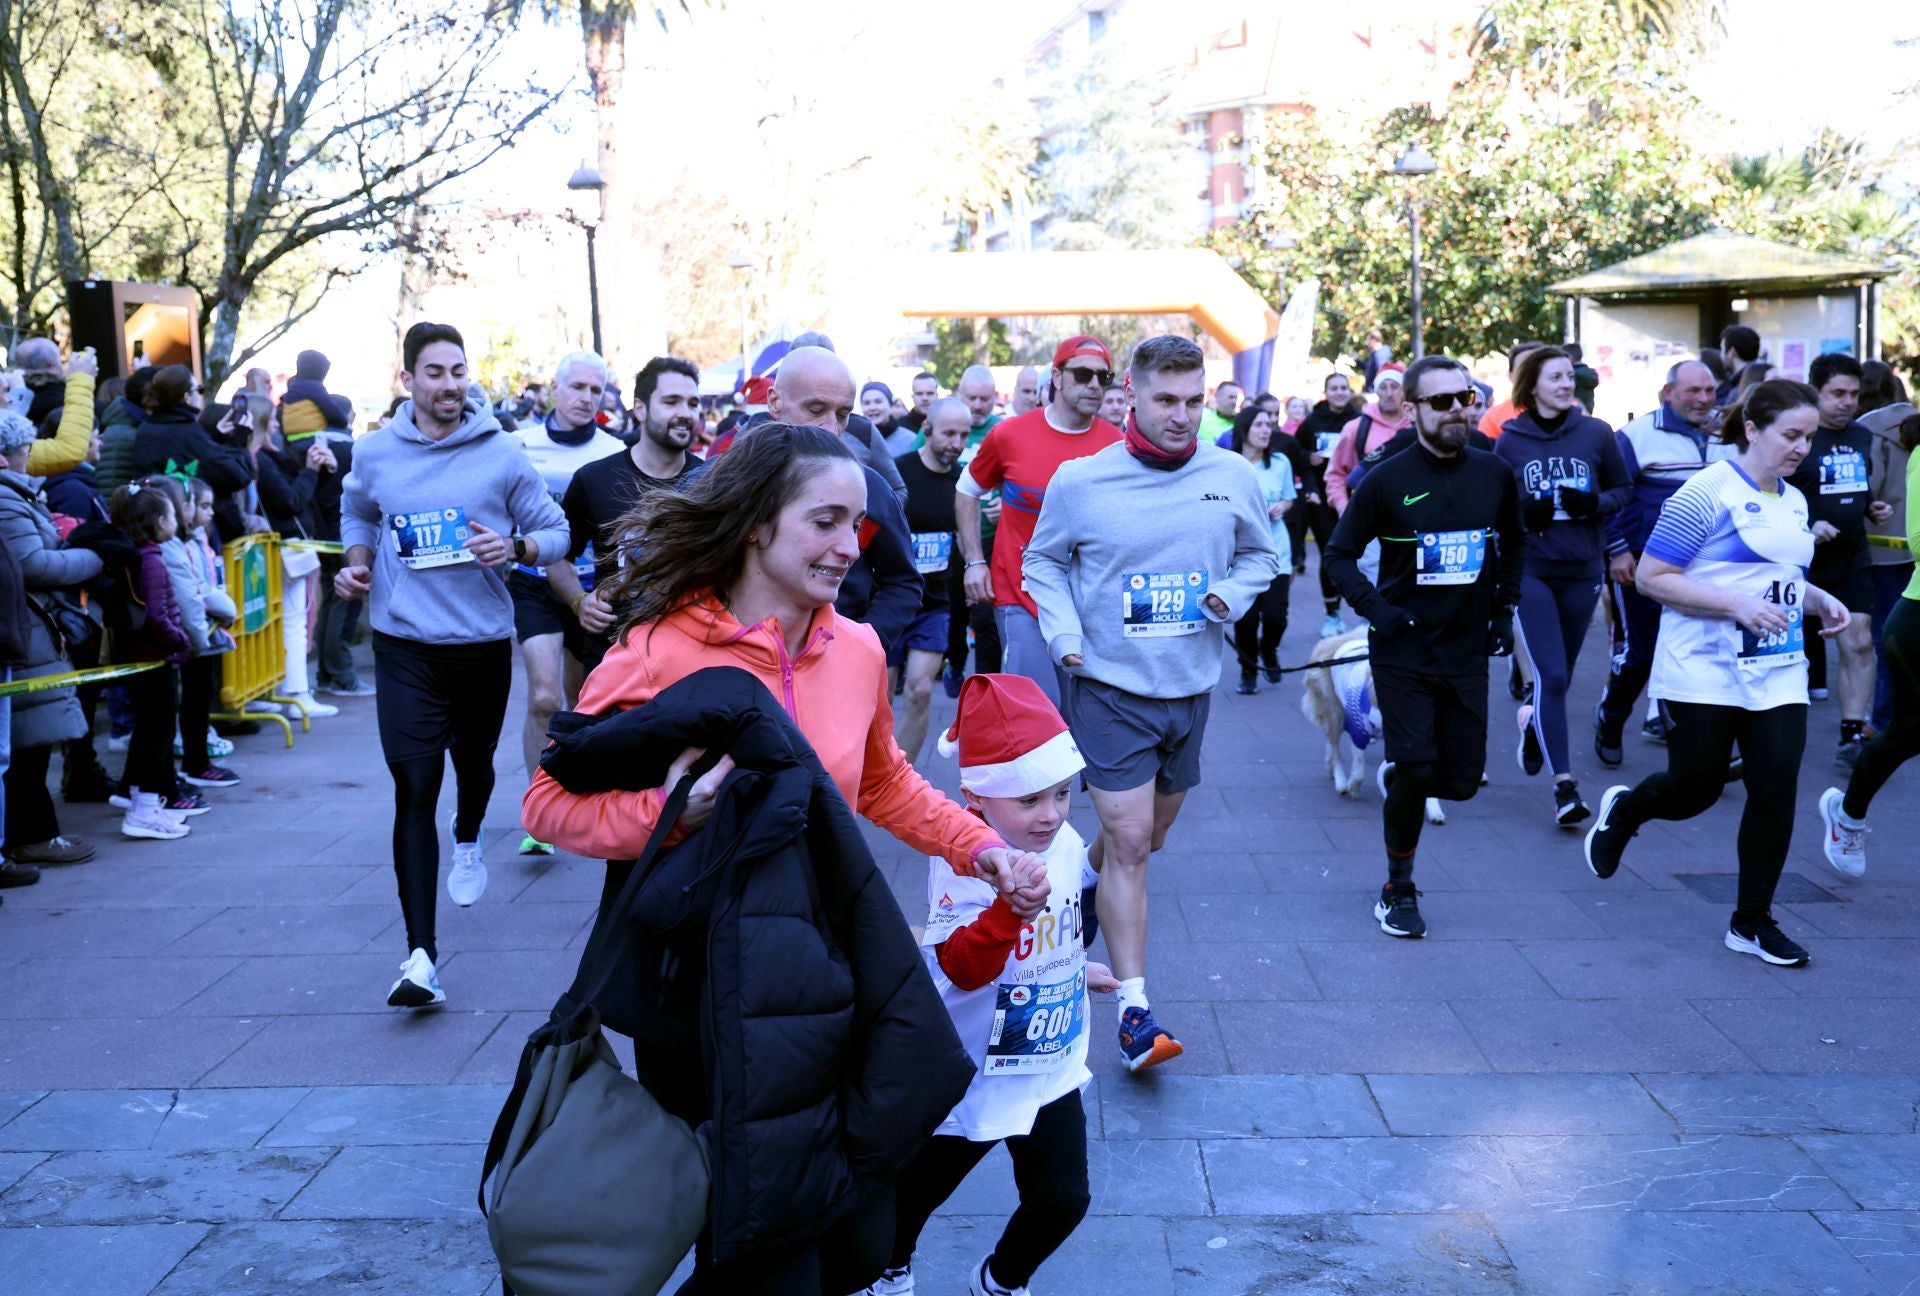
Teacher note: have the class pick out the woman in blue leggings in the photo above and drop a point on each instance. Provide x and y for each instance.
(1571, 474)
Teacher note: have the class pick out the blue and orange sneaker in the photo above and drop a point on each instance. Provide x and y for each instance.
(1143, 1042)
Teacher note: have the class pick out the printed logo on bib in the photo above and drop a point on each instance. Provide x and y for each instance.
(1161, 604)
(931, 550)
(1843, 472)
(432, 538)
(1450, 557)
(1786, 647)
(1035, 1025)
(1326, 443)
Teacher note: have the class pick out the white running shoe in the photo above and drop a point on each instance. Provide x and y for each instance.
(468, 880)
(982, 1283)
(1846, 842)
(147, 820)
(118, 743)
(419, 984)
(314, 707)
(893, 1282)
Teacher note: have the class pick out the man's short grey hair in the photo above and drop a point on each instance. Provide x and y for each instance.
(949, 405)
(16, 433)
(1168, 353)
(37, 355)
(1673, 371)
(813, 339)
(976, 373)
(581, 359)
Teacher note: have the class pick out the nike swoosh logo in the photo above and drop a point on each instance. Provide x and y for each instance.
(1414, 499)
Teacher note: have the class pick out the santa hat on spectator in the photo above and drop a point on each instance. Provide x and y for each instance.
(1395, 371)
(1010, 739)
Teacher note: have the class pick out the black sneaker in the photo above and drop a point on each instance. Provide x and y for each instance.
(1568, 808)
(1249, 683)
(1271, 669)
(1532, 759)
(1606, 843)
(1606, 740)
(1398, 911)
(85, 784)
(1516, 685)
(1764, 940)
(1655, 729)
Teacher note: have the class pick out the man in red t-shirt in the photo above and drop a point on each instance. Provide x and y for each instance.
(1019, 457)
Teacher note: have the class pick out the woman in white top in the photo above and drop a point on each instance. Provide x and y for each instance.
(1727, 561)
(1256, 636)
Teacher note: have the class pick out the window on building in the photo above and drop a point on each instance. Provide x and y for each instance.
(1096, 26)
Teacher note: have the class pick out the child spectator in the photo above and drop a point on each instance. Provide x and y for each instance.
(199, 608)
(155, 633)
(1013, 973)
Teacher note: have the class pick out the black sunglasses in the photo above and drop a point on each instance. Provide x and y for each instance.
(1084, 376)
(1440, 402)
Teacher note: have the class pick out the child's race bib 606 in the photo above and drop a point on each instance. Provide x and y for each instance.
(1449, 557)
(431, 539)
(1162, 603)
(1034, 1026)
(931, 550)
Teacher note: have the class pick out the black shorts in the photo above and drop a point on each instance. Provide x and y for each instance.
(537, 610)
(1435, 719)
(1848, 576)
(434, 696)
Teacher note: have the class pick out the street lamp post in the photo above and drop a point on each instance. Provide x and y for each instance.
(587, 180)
(742, 265)
(1415, 163)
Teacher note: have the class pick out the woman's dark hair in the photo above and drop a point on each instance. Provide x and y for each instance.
(1910, 433)
(1765, 403)
(1243, 428)
(137, 508)
(169, 385)
(1880, 386)
(176, 492)
(697, 540)
(1526, 379)
(137, 383)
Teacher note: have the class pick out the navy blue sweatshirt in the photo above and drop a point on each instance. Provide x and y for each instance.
(1834, 478)
(1582, 453)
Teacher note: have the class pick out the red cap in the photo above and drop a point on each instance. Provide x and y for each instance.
(1396, 370)
(758, 388)
(1085, 344)
(1010, 739)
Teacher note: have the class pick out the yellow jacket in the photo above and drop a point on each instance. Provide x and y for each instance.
(68, 447)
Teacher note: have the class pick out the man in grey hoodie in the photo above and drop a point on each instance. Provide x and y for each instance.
(436, 508)
(1143, 554)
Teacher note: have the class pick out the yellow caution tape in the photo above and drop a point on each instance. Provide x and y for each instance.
(1890, 542)
(42, 683)
(318, 546)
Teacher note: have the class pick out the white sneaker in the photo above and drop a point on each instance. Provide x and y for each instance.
(893, 1282)
(468, 880)
(313, 706)
(145, 819)
(419, 984)
(1846, 842)
(982, 1283)
(118, 743)
(218, 747)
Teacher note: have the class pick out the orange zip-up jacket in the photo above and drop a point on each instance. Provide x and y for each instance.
(836, 691)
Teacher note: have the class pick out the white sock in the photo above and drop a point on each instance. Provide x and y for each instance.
(1133, 994)
(991, 1283)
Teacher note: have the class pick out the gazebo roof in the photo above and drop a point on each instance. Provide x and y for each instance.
(1721, 259)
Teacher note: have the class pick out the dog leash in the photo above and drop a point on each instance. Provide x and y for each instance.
(1331, 661)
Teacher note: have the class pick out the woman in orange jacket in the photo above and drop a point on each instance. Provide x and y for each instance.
(742, 570)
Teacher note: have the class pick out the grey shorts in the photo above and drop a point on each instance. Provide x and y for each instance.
(1024, 650)
(1128, 740)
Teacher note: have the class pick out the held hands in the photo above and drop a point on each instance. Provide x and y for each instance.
(351, 583)
(490, 547)
(706, 788)
(979, 582)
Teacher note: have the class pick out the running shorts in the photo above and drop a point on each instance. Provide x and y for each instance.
(1434, 719)
(1128, 740)
(537, 610)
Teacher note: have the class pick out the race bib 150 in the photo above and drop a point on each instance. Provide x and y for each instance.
(1449, 557)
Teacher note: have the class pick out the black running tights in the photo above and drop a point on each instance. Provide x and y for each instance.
(1257, 635)
(1049, 1170)
(1899, 742)
(1700, 742)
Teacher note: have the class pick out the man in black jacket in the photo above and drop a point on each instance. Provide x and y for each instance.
(1451, 556)
(1316, 436)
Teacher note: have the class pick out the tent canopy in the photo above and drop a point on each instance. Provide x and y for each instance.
(1723, 260)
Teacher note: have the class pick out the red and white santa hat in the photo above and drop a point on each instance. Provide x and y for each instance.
(1011, 740)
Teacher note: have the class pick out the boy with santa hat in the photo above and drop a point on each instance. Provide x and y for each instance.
(1012, 970)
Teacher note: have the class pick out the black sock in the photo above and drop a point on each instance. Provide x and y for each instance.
(1399, 869)
(1852, 730)
(1333, 606)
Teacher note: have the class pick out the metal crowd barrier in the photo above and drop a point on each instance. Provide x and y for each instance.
(252, 672)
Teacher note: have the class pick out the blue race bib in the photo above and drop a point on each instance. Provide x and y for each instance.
(1035, 1026)
(1843, 472)
(1161, 604)
(1449, 557)
(431, 539)
(931, 551)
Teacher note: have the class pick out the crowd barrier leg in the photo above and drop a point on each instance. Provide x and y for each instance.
(253, 671)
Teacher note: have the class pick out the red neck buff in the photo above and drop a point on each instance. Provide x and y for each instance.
(1152, 455)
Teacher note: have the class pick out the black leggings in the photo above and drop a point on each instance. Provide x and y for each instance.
(1049, 1169)
(1256, 636)
(198, 676)
(1320, 519)
(1553, 617)
(1899, 742)
(1700, 741)
(434, 699)
(149, 765)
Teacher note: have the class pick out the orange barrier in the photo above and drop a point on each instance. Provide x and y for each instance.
(253, 670)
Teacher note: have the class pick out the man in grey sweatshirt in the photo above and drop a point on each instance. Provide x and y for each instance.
(1143, 554)
(439, 503)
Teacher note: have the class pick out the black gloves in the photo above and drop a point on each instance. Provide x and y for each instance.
(1392, 622)
(1537, 513)
(1500, 633)
(1579, 504)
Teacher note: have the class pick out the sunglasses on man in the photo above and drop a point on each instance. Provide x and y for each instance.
(1441, 402)
(1104, 377)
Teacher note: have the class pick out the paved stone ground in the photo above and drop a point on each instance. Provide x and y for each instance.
(1571, 1087)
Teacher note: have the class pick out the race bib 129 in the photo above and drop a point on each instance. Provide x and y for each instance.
(1159, 604)
(431, 539)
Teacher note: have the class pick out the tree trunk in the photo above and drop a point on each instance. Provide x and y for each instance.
(416, 276)
(225, 333)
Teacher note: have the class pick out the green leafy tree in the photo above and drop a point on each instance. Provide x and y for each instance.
(957, 343)
(1114, 172)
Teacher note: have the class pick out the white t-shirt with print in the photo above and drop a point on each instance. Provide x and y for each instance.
(1027, 1029)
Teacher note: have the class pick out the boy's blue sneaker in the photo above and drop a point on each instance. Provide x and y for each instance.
(1143, 1042)
(951, 680)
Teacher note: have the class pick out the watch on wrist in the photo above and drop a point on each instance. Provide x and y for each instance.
(520, 550)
